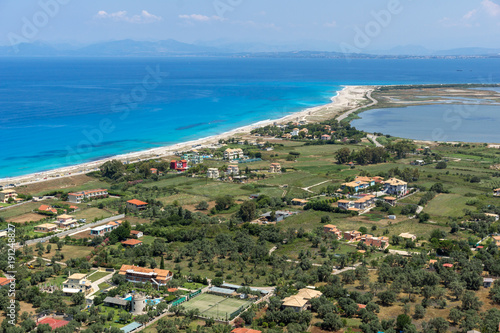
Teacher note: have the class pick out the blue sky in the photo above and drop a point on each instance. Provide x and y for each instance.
(304, 24)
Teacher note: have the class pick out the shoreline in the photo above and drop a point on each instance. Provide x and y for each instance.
(349, 98)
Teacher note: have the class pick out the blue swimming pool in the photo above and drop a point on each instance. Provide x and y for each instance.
(149, 301)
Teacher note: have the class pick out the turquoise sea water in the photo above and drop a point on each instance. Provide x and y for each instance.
(64, 111)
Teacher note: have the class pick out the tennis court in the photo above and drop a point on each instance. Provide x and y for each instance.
(214, 306)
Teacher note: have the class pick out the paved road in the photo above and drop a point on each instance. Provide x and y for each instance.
(58, 262)
(71, 231)
(374, 139)
(307, 188)
(346, 114)
(95, 284)
(345, 269)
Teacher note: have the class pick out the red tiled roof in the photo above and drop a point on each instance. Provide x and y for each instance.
(53, 323)
(361, 306)
(43, 207)
(131, 242)
(135, 232)
(448, 265)
(4, 281)
(137, 202)
(172, 290)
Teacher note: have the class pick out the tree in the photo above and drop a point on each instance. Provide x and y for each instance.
(419, 312)
(441, 165)
(125, 317)
(60, 244)
(457, 289)
(224, 202)
(49, 247)
(143, 319)
(471, 301)
(112, 169)
(423, 217)
(78, 298)
(387, 297)
(402, 321)
(343, 155)
(247, 211)
(438, 324)
(203, 205)
(455, 316)
(162, 263)
(332, 322)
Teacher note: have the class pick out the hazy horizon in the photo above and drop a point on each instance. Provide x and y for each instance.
(361, 27)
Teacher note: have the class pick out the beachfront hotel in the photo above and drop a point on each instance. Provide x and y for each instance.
(78, 197)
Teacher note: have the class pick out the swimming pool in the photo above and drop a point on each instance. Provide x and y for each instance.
(149, 301)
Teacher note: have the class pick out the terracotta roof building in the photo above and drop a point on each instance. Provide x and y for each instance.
(132, 242)
(135, 204)
(136, 274)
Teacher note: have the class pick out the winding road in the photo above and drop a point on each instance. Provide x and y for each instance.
(373, 103)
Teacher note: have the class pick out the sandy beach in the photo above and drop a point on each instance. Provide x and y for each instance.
(349, 99)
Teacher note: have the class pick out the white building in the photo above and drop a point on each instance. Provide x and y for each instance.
(77, 283)
(396, 186)
(213, 173)
(233, 154)
(233, 170)
(78, 197)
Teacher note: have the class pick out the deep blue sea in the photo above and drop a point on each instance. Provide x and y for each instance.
(62, 111)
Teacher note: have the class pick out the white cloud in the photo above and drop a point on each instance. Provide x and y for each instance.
(257, 25)
(200, 18)
(122, 16)
(491, 8)
(331, 24)
(470, 14)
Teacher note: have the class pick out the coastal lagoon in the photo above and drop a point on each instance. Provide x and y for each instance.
(452, 122)
(66, 111)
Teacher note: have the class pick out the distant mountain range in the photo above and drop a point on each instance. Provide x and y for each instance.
(170, 47)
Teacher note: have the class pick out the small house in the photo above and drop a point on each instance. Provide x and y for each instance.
(299, 202)
(131, 243)
(135, 204)
(275, 168)
(487, 282)
(46, 227)
(136, 233)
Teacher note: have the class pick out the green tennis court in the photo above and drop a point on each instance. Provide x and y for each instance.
(214, 306)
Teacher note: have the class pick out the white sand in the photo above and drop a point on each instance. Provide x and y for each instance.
(348, 99)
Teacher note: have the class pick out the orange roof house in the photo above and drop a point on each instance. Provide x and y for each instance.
(136, 204)
(156, 276)
(46, 208)
(4, 281)
(132, 242)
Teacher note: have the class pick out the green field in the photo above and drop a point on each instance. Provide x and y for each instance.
(214, 306)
